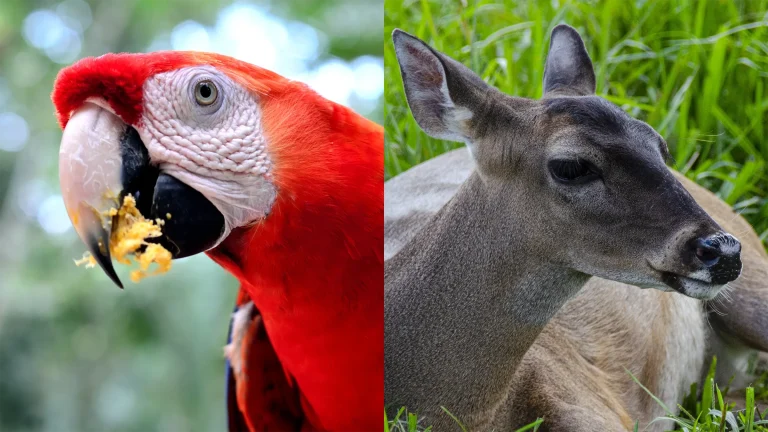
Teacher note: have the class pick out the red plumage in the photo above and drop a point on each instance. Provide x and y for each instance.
(261, 395)
(119, 79)
(314, 266)
(316, 263)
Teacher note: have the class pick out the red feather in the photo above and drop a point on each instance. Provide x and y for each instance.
(315, 264)
(266, 397)
(119, 79)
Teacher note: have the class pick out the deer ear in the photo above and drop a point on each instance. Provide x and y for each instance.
(442, 93)
(569, 69)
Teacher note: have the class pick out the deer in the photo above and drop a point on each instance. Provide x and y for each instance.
(561, 189)
(575, 375)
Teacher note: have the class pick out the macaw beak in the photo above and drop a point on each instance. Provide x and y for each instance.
(101, 160)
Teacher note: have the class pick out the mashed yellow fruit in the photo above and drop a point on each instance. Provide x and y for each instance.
(128, 236)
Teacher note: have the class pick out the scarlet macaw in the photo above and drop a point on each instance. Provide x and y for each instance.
(281, 187)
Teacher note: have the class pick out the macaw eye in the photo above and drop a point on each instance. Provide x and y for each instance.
(573, 171)
(206, 92)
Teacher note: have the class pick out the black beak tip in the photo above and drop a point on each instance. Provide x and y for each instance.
(98, 245)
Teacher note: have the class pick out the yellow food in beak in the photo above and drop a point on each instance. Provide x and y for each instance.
(129, 234)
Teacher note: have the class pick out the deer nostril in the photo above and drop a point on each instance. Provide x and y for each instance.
(709, 257)
(707, 251)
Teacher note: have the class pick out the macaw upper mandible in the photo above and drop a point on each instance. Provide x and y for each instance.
(281, 187)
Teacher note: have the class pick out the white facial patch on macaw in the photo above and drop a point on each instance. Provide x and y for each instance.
(212, 140)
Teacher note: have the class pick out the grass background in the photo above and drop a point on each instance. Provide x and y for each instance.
(696, 71)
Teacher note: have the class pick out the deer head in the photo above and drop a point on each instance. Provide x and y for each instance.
(585, 182)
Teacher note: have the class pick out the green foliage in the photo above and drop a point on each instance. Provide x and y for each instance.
(710, 412)
(697, 71)
(405, 421)
(761, 386)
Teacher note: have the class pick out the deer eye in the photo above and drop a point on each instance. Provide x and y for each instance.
(573, 171)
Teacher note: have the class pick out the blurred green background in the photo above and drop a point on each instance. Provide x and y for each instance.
(697, 71)
(76, 353)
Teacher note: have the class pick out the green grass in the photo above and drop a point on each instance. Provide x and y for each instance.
(405, 421)
(700, 411)
(704, 411)
(697, 71)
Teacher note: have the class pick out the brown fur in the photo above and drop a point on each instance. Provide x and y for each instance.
(574, 373)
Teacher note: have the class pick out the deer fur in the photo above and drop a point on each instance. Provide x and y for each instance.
(474, 287)
(575, 373)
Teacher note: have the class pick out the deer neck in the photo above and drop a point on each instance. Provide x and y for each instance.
(463, 303)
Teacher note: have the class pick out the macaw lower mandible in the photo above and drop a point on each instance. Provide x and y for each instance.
(279, 186)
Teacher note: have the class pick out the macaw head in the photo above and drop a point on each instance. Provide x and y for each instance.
(206, 142)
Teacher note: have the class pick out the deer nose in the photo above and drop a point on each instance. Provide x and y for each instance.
(720, 254)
